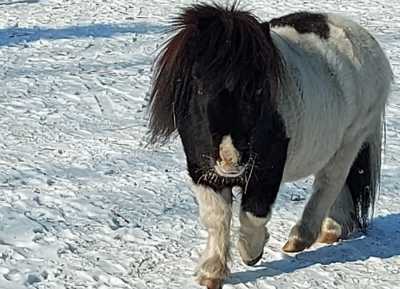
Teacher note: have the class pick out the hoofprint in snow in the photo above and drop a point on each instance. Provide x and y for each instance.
(85, 203)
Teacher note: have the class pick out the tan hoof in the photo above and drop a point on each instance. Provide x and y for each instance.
(211, 283)
(295, 245)
(328, 237)
(331, 231)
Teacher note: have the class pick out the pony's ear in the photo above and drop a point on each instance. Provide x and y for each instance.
(266, 27)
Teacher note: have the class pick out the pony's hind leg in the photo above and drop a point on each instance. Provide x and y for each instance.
(340, 221)
(215, 214)
(327, 186)
(351, 209)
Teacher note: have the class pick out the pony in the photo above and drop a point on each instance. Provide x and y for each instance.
(256, 104)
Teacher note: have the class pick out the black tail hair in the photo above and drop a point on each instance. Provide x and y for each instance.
(363, 182)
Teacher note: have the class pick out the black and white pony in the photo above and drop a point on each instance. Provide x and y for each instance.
(260, 103)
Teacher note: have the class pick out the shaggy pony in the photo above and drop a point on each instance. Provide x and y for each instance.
(260, 103)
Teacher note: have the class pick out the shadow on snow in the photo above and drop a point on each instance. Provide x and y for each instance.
(15, 35)
(19, 2)
(382, 241)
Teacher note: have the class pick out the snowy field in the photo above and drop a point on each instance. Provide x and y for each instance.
(84, 202)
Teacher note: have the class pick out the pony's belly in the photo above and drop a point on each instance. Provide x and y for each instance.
(312, 144)
(292, 173)
(305, 164)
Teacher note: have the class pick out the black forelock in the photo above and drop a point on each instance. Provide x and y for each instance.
(231, 48)
(224, 48)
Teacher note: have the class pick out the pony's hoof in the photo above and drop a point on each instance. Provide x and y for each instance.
(254, 261)
(331, 231)
(295, 245)
(328, 238)
(211, 283)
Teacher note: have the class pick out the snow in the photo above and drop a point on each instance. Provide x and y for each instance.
(85, 203)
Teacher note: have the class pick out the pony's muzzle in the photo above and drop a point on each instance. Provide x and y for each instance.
(228, 163)
(229, 171)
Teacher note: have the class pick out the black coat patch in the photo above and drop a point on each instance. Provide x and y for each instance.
(271, 145)
(305, 22)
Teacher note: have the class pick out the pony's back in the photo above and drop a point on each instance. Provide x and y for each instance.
(346, 80)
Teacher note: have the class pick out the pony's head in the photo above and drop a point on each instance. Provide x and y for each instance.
(216, 82)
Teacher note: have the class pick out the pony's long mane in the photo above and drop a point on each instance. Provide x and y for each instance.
(224, 47)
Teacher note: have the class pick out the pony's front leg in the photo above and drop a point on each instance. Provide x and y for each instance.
(256, 208)
(215, 214)
(259, 196)
(253, 235)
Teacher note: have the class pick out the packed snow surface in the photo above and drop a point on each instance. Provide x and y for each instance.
(85, 203)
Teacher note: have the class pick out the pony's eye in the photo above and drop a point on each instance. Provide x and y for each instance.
(199, 87)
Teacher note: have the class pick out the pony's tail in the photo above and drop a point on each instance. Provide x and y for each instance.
(364, 177)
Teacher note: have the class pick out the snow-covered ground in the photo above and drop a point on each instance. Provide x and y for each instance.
(84, 203)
